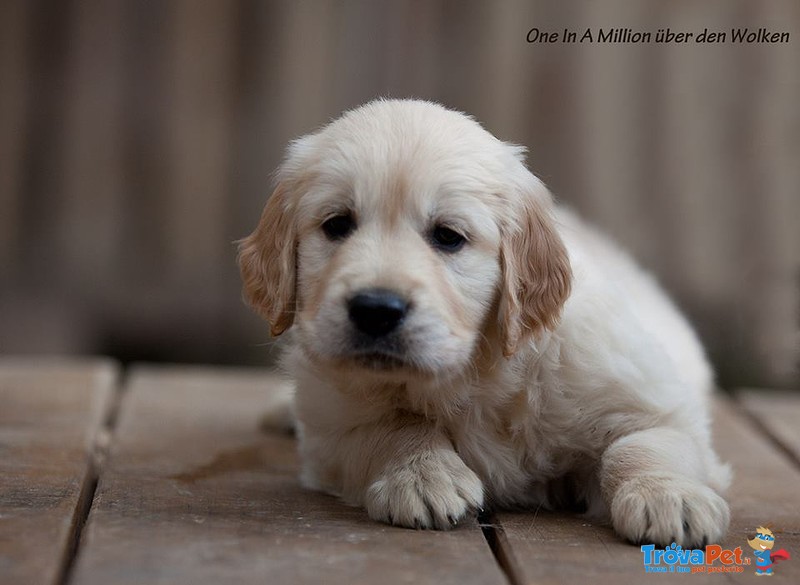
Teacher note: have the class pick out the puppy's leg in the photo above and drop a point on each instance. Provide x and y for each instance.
(402, 469)
(656, 485)
(278, 417)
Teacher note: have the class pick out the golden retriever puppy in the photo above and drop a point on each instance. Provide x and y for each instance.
(458, 342)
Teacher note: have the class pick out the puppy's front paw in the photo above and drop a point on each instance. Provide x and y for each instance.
(661, 510)
(428, 490)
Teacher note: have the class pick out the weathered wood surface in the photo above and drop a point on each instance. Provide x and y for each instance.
(50, 417)
(191, 490)
(554, 548)
(194, 492)
(777, 413)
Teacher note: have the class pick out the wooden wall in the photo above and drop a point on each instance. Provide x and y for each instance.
(137, 139)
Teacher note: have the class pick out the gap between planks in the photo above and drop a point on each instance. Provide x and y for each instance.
(98, 451)
(501, 550)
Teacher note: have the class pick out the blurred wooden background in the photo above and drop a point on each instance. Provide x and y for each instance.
(137, 140)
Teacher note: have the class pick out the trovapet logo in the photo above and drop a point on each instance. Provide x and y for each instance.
(711, 559)
(715, 559)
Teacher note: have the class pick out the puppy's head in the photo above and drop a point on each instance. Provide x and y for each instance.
(400, 235)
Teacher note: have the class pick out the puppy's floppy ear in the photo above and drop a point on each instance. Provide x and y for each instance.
(536, 271)
(267, 262)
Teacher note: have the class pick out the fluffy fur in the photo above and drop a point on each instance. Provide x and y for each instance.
(537, 364)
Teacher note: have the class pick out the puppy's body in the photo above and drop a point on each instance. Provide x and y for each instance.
(533, 364)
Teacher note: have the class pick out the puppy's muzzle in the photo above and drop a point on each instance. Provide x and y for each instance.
(377, 312)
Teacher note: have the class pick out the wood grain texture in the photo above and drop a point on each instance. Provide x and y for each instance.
(91, 167)
(14, 66)
(199, 123)
(557, 548)
(778, 413)
(50, 415)
(194, 492)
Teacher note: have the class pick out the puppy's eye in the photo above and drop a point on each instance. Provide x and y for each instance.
(339, 226)
(446, 239)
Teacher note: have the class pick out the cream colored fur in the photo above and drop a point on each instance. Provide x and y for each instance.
(538, 365)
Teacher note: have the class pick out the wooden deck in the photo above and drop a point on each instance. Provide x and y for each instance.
(161, 475)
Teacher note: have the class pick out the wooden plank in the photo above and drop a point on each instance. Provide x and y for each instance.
(93, 187)
(778, 414)
(559, 548)
(51, 414)
(760, 344)
(193, 492)
(616, 162)
(14, 71)
(199, 70)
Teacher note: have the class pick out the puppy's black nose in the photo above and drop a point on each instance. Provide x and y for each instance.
(377, 311)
